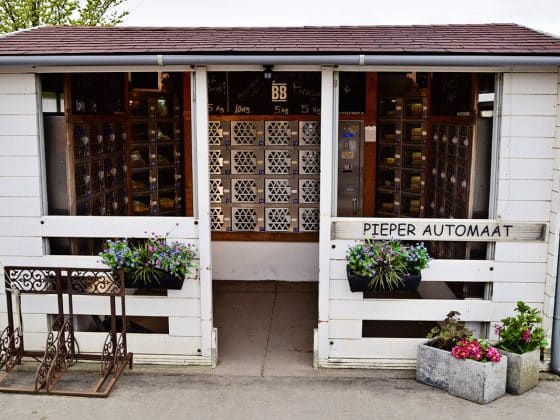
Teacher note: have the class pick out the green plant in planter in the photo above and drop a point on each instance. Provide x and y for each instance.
(386, 262)
(522, 333)
(147, 261)
(446, 336)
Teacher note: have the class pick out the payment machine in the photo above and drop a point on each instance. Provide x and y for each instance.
(350, 147)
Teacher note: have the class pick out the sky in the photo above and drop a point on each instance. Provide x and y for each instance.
(542, 15)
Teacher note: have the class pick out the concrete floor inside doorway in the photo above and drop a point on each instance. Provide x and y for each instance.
(265, 328)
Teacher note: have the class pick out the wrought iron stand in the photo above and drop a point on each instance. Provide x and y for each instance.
(62, 350)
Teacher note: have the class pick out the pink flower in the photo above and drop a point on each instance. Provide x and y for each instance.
(493, 355)
(459, 352)
(526, 336)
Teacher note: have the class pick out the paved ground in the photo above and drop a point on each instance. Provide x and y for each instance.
(265, 345)
(186, 396)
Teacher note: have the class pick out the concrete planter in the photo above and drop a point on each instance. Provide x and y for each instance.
(522, 371)
(432, 366)
(476, 381)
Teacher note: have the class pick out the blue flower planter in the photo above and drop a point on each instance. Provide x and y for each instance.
(166, 281)
(360, 283)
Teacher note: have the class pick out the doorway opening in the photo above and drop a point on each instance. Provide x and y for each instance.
(264, 151)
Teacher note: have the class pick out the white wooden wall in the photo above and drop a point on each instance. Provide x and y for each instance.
(528, 190)
(23, 226)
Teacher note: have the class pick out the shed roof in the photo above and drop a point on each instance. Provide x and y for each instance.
(490, 39)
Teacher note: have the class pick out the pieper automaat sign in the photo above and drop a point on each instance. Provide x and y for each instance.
(448, 230)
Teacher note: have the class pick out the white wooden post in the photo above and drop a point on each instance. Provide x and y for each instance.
(202, 179)
(327, 128)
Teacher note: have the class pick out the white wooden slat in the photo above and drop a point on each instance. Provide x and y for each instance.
(20, 246)
(419, 309)
(513, 292)
(19, 125)
(191, 287)
(469, 271)
(20, 206)
(116, 226)
(530, 83)
(19, 165)
(184, 327)
(24, 104)
(375, 348)
(521, 252)
(339, 328)
(340, 290)
(526, 169)
(524, 189)
(31, 322)
(548, 308)
(529, 211)
(18, 145)
(17, 83)
(96, 305)
(525, 104)
(528, 126)
(28, 186)
(526, 147)
(91, 342)
(556, 175)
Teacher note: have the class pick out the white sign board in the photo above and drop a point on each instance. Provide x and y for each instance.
(438, 230)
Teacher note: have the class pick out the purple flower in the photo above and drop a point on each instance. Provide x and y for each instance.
(498, 329)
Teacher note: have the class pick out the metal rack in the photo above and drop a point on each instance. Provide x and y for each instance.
(61, 349)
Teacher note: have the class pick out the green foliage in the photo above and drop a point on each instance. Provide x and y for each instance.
(522, 333)
(147, 261)
(446, 336)
(21, 14)
(386, 262)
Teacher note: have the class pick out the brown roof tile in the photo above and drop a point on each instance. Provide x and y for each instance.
(417, 39)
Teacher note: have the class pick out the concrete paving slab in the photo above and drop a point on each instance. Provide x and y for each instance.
(290, 347)
(243, 322)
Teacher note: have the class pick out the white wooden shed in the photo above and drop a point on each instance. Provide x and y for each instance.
(333, 81)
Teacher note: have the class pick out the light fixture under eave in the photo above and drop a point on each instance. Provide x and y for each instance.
(267, 71)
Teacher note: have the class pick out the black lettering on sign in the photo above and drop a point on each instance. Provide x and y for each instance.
(496, 231)
(507, 229)
(473, 231)
(460, 230)
(367, 227)
(411, 230)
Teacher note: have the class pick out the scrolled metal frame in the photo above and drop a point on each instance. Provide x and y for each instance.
(61, 348)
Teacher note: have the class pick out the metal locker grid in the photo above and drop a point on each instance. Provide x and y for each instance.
(246, 133)
(255, 169)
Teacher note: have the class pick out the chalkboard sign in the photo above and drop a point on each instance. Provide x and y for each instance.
(217, 93)
(243, 93)
(451, 94)
(352, 93)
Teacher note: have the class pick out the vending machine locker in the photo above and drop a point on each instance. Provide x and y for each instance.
(350, 146)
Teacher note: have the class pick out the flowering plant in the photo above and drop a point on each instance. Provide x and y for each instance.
(447, 335)
(386, 262)
(148, 260)
(479, 350)
(522, 333)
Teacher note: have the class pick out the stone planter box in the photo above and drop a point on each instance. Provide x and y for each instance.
(522, 371)
(476, 381)
(432, 366)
